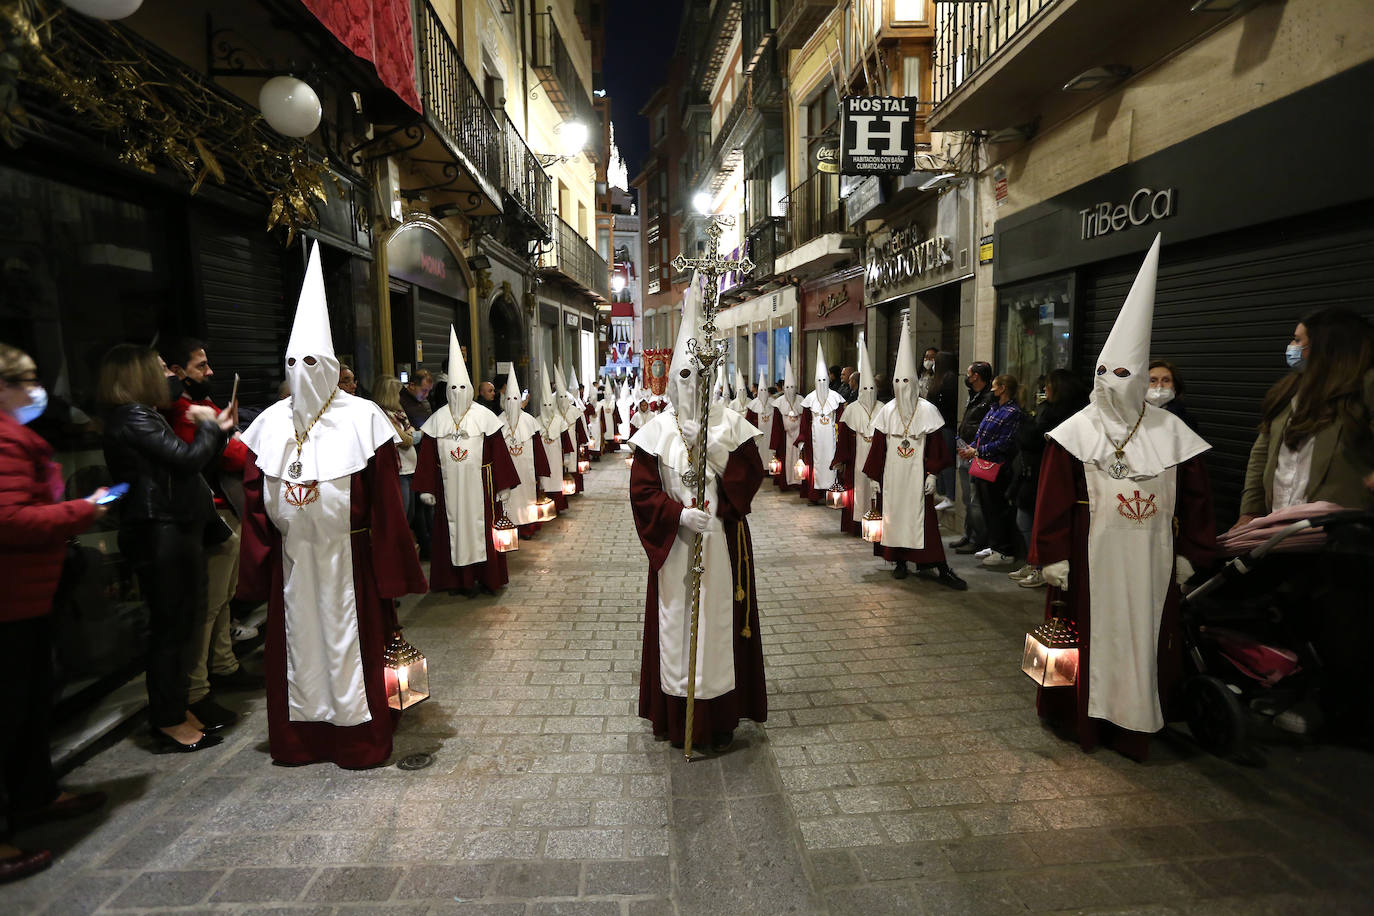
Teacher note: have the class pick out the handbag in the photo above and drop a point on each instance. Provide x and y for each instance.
(984, 469)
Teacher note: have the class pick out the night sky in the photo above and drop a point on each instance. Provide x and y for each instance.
(639, 44)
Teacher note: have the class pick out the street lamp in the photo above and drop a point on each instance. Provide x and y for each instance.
(701, 202)
(571, 137)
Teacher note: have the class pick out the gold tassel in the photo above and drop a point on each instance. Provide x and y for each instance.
(742, 594)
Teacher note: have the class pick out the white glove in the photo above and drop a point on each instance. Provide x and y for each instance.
(930, 484)
(691, 429)
(694, 519)
(503, 496)
(1183, 570)
(877, 487)
(417, 434)
(427, 498)
(1057, 574)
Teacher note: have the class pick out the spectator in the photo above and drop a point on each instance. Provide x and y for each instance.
(925, 375)
(34, 527)
(838, 385)
(486, 396)
(1166, 390)
(976, 380)
(389, 400)
(1065, 395)
(166, 518)
(211, 659)
(348, 382)
(995, 441)
(944, 393)
(415, 397)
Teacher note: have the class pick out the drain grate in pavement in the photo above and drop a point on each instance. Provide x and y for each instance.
(415, 762)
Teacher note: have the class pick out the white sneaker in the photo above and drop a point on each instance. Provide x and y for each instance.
(985, 552)
(944, 503)
(1022, 572)
(1035, 580)
(996, 559)
(240, 631)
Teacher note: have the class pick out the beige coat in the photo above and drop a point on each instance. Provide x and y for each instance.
(1338, 471)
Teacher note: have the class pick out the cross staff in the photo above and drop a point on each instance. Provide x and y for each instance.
(707, 352)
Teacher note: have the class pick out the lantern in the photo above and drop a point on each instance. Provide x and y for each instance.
(569, 486)
(1051, 655)
(616, 439)
(837, 497)
(407, 674)
(504, 533)
(801, 468)
(583, 465)
(544, 508)
(775, 466)
(871, 525)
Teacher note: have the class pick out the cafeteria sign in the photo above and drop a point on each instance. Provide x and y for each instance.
(877, 135)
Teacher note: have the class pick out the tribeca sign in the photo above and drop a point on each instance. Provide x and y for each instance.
(1145, 205)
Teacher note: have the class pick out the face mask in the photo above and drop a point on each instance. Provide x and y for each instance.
(968, 384)
(175, 387)
(198, 391)
(929, 364)
(38, 402)
(1294, 356)
(1159, 396)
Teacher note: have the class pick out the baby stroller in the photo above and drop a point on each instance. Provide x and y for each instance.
(1251, 632)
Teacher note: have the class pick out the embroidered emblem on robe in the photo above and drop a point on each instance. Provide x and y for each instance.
(458, 454)
(905, 451)
(301, 495)
(1137, 508)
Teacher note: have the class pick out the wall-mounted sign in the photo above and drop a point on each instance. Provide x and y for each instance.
(985, 250)
(419, 350)
(571, 320)
(833, 302)
(906, 255)
(999, 187)
(877, 135)
(828, 157)
(1145, 205)
(837, 299)
(417, 254)
(863, 198)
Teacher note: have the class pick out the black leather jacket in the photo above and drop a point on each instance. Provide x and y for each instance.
(163, 472)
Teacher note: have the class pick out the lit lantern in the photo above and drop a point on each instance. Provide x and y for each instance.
(504, 533)
(616, 439)
(801, 468)
(1051, 655)
(630, 460)
(407, 674)
(545, 510)
(583, 465)
(837, 497)
(871, 525)
(569, 486)
(775, 466)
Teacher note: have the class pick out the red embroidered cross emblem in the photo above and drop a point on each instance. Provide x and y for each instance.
(1136, 508)
(301, 495)
(458, 454)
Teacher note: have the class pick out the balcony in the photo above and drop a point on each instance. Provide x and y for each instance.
(717, 37)
(760, 96)
(798, 20)
(577, 261)
(1003, 63)
(816, 226)
(525, 185)
(551, 59)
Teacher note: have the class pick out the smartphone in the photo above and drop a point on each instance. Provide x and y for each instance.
(234, 396)
(960, 443)
(115, 492)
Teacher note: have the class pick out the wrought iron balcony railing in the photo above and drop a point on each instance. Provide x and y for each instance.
(969, 34)
(557, 73)
(765, 244)
(575, 259)
(799, 19)
(454, 104)
(814, 209)
(525, 182)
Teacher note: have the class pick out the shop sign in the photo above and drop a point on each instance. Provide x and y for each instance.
(833, 302)
(420, 256)
(1144, 206)
(999, 187)
(828, 157)
(571, 320)
(906, 256)
(985, 250)
(863, 197)
(877, 135)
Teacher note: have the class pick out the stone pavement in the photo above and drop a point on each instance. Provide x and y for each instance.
(902, 770)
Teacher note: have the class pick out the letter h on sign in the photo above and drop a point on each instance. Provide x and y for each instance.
(877, 136)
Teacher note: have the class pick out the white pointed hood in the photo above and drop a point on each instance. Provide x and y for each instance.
(340, 440)
(547, 408)
(904, 376)
(572, 390)
(1151, 439)
(868, 386)
(741, 399)
(312, 386)
(684, 372)
(789, 380)
(563, 398)
(460, 393)
(822, 389)
(510, 399)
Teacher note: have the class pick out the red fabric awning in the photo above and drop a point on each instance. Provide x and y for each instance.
(378, 31)
(622, 309)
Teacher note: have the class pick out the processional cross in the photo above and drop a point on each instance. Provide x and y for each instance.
(707, 352)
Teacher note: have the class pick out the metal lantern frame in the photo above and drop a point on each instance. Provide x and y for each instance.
(1050, 656)
(406, 673)
(871, 525)
(505, 533)
(837, 496)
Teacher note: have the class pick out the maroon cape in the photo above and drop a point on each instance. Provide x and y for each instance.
(385, 566)
(777, 441)
(1061, 533)
(937, 458)
(656, 518)
(846, 450)
(498, 473)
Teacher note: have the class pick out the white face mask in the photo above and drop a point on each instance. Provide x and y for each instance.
(1159, 396)
(38, 402)
(930, 365)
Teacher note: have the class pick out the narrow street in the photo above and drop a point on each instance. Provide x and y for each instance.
(902, 770)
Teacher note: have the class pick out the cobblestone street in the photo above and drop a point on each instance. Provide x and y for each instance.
(902, 770)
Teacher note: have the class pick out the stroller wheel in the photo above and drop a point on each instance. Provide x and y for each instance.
(1214, 715)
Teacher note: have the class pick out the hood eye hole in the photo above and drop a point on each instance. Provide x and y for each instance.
(1101, 370)
(291, 361)
(309, 361)
(685, 373)
(1121, 372)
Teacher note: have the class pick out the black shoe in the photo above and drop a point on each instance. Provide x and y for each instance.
(166, 744)
(24, 864)
(901, 571)
(959, 543)
(213, 717)
(948, 579)
(969, 548)
(721, 741)
(76, 806)
(238, 679)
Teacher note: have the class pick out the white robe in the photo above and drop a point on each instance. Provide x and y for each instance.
(521, 441)
(824, 436)
(460, 450)
(572, 418)
(762, 407)
(861, 422)
(790, 417)
(904, 472)
(551, 439)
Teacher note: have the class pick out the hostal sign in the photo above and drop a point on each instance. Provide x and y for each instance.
(906, 256)
(877, 135)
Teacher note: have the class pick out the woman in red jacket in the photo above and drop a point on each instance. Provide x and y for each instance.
(34, 526)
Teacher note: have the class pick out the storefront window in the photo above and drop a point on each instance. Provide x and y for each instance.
(1035, 321)
(761, 355)
(782, 350)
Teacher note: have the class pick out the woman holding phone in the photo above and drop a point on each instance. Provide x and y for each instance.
(35, 523)
(165, 521)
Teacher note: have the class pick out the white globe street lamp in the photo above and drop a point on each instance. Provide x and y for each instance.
(105, 9)
(290, 106)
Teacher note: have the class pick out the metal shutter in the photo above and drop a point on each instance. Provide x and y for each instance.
(246, 319)
(1225, 307)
